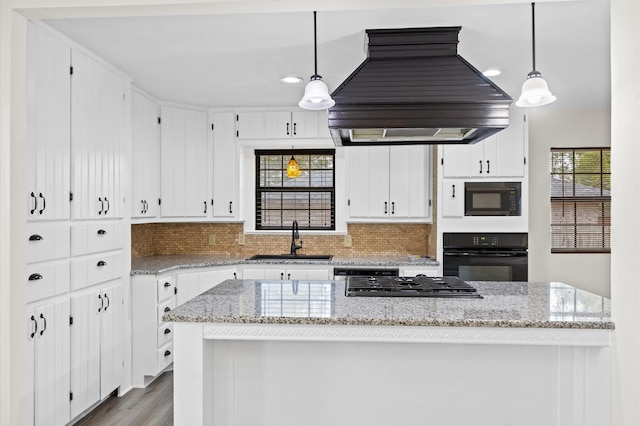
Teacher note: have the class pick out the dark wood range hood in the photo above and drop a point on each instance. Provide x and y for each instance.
(414, 88)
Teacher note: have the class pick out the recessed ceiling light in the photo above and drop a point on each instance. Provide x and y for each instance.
(492, 72)
(290, 79)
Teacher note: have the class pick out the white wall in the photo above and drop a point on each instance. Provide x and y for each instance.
(549, 128)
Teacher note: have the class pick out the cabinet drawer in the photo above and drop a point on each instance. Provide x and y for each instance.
(47, 243)
(95, 238)
(165, 334)
(163, 308)
(95, 269)
(165, 356)
(47, 279)
(166, 288)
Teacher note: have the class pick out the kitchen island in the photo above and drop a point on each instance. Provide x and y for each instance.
(301, 352)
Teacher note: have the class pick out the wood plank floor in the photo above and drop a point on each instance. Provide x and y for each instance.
(152, 406)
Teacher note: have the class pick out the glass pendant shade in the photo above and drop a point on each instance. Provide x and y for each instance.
(535, 91)
(293, 170)
(316, 95)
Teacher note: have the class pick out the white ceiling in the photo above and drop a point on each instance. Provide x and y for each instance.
(236, 60)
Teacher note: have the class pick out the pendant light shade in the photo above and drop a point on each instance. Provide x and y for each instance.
(293, 170)
(535, 91)
(316, 94)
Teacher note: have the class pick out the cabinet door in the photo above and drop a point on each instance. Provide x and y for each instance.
(278, 125)
(457, 160)
(251, 125)
(187, 287)
(452, 198)
(184, 162)
(48, 334)
(511, 147)
(48, 126)
(86, 310)
(111, 332)
(409, 180)
(486, 160)
(307, 274)
(310, 124)
(225, 159)
(368, 169)
(146, 156)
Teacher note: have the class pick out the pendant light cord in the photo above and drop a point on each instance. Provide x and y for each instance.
(533, 33)
(315, 46)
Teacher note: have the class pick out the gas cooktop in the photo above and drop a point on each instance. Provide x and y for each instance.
(418, 286)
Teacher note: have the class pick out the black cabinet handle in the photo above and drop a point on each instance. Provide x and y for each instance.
(35, 203)
(205, 206)
(294, 128)
(230, 206)
(282, 275)
(167, 330)
(108, 301)
(235, 276)
(108, 205)
(488, 170)
(146, 206)
(44, 203)
(101, 232)
(167, 284)
(167, 309)
(101, 205)
(35, 277)
(480, 166)
(44, 324)
(35, 237)
(287, 128)
(142, 202)
(101, 303)
(289, 276)
(101, 263)
(385, 207)
(35, 329)
(393, 207)
(167, 353)
(453, 191)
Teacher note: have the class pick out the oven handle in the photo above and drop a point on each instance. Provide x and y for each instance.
(485, 254)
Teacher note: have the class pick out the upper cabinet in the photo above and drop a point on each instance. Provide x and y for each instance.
(282, 125)
(146, 156)
(99, 132)
(48, 132)
(184, 166)
(389, 183)
(500, 155)
(225, 166)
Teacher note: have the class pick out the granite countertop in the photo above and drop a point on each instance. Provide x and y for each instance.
(504, 304)
(152, 265)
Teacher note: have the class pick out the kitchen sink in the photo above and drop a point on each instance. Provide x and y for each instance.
(291, 257)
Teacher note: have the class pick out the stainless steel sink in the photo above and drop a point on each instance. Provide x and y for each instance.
(291, 257)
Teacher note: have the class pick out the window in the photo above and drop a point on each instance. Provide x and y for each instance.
(308, 198)
(581, 200)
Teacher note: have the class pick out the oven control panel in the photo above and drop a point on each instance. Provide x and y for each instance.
(497, 240)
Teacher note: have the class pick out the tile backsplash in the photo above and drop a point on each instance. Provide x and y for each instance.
(223, 238)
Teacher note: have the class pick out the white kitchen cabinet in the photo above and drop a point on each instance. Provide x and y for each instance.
(389, 182)
(500, 155)
(47, 279)
(283, 125)
(48, 131)
(96, 340)
(452, 198)
(191, 284)
(184, 157)
(290, 272)
(146, 156)
(99, 132)
(225, 167)
(47, 242)
(412, 271)
(48, 363)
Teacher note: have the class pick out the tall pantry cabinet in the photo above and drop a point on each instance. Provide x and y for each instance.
(77, 133)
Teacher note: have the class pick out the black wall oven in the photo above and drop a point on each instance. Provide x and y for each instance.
(486, 256)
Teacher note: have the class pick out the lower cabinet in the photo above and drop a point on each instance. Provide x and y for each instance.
(289, 273)
(48, 362)
(191, 284)
(96, 342)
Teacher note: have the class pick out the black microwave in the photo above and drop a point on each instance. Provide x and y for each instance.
(492, 198)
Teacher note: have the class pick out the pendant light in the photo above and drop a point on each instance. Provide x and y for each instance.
(535, 91)
(293, 170)
(316, 94)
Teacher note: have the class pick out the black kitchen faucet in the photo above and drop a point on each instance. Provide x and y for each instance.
(294, 236)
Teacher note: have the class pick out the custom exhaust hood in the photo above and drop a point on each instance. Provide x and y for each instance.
(414, 88)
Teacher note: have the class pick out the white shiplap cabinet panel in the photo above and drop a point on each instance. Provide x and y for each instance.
(225, 170)
(47, 242)
(48, 131)
(146, 156)
(452, 198)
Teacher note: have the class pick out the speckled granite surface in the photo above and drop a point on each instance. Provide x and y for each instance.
(158, 264)
(504, 304)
